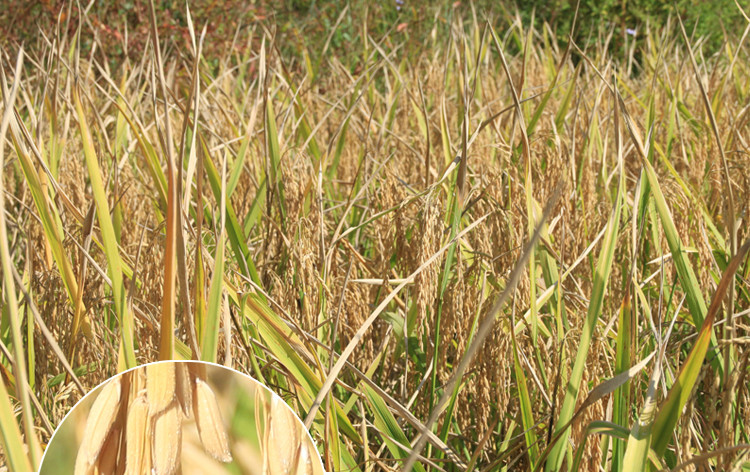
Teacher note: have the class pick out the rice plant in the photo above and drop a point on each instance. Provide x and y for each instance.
(489, 250)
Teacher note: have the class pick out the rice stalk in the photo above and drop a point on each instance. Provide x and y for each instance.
(11, 436)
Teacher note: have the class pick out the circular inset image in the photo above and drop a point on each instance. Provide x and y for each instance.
(184, 417)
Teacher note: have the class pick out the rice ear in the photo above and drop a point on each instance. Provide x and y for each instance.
(99, 423)
(166, 442)
(160, 386)
(210, 425)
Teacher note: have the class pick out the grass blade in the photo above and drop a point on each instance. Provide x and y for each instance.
(394, 437)
(671, 408)
(8, 427)
(210, 330)
(603, 269)
(166, 339)
(109, 239)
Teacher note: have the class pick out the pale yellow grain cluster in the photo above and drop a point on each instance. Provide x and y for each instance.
(135, 424)
(285, 444)
(210, 426)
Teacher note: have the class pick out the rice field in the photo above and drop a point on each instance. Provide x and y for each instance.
(489, 251)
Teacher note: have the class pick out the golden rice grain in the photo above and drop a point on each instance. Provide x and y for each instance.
(160, 386)
(285, 447)
(167, 440)
(135, 435)
(283, 441)
(102, 416)
(210, 426)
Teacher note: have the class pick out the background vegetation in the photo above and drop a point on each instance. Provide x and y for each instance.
(121, 27)
(448, 236)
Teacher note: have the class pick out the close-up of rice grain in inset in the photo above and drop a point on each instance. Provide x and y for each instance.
(183, 417)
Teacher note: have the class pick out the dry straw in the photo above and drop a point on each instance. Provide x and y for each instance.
(135, 423)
